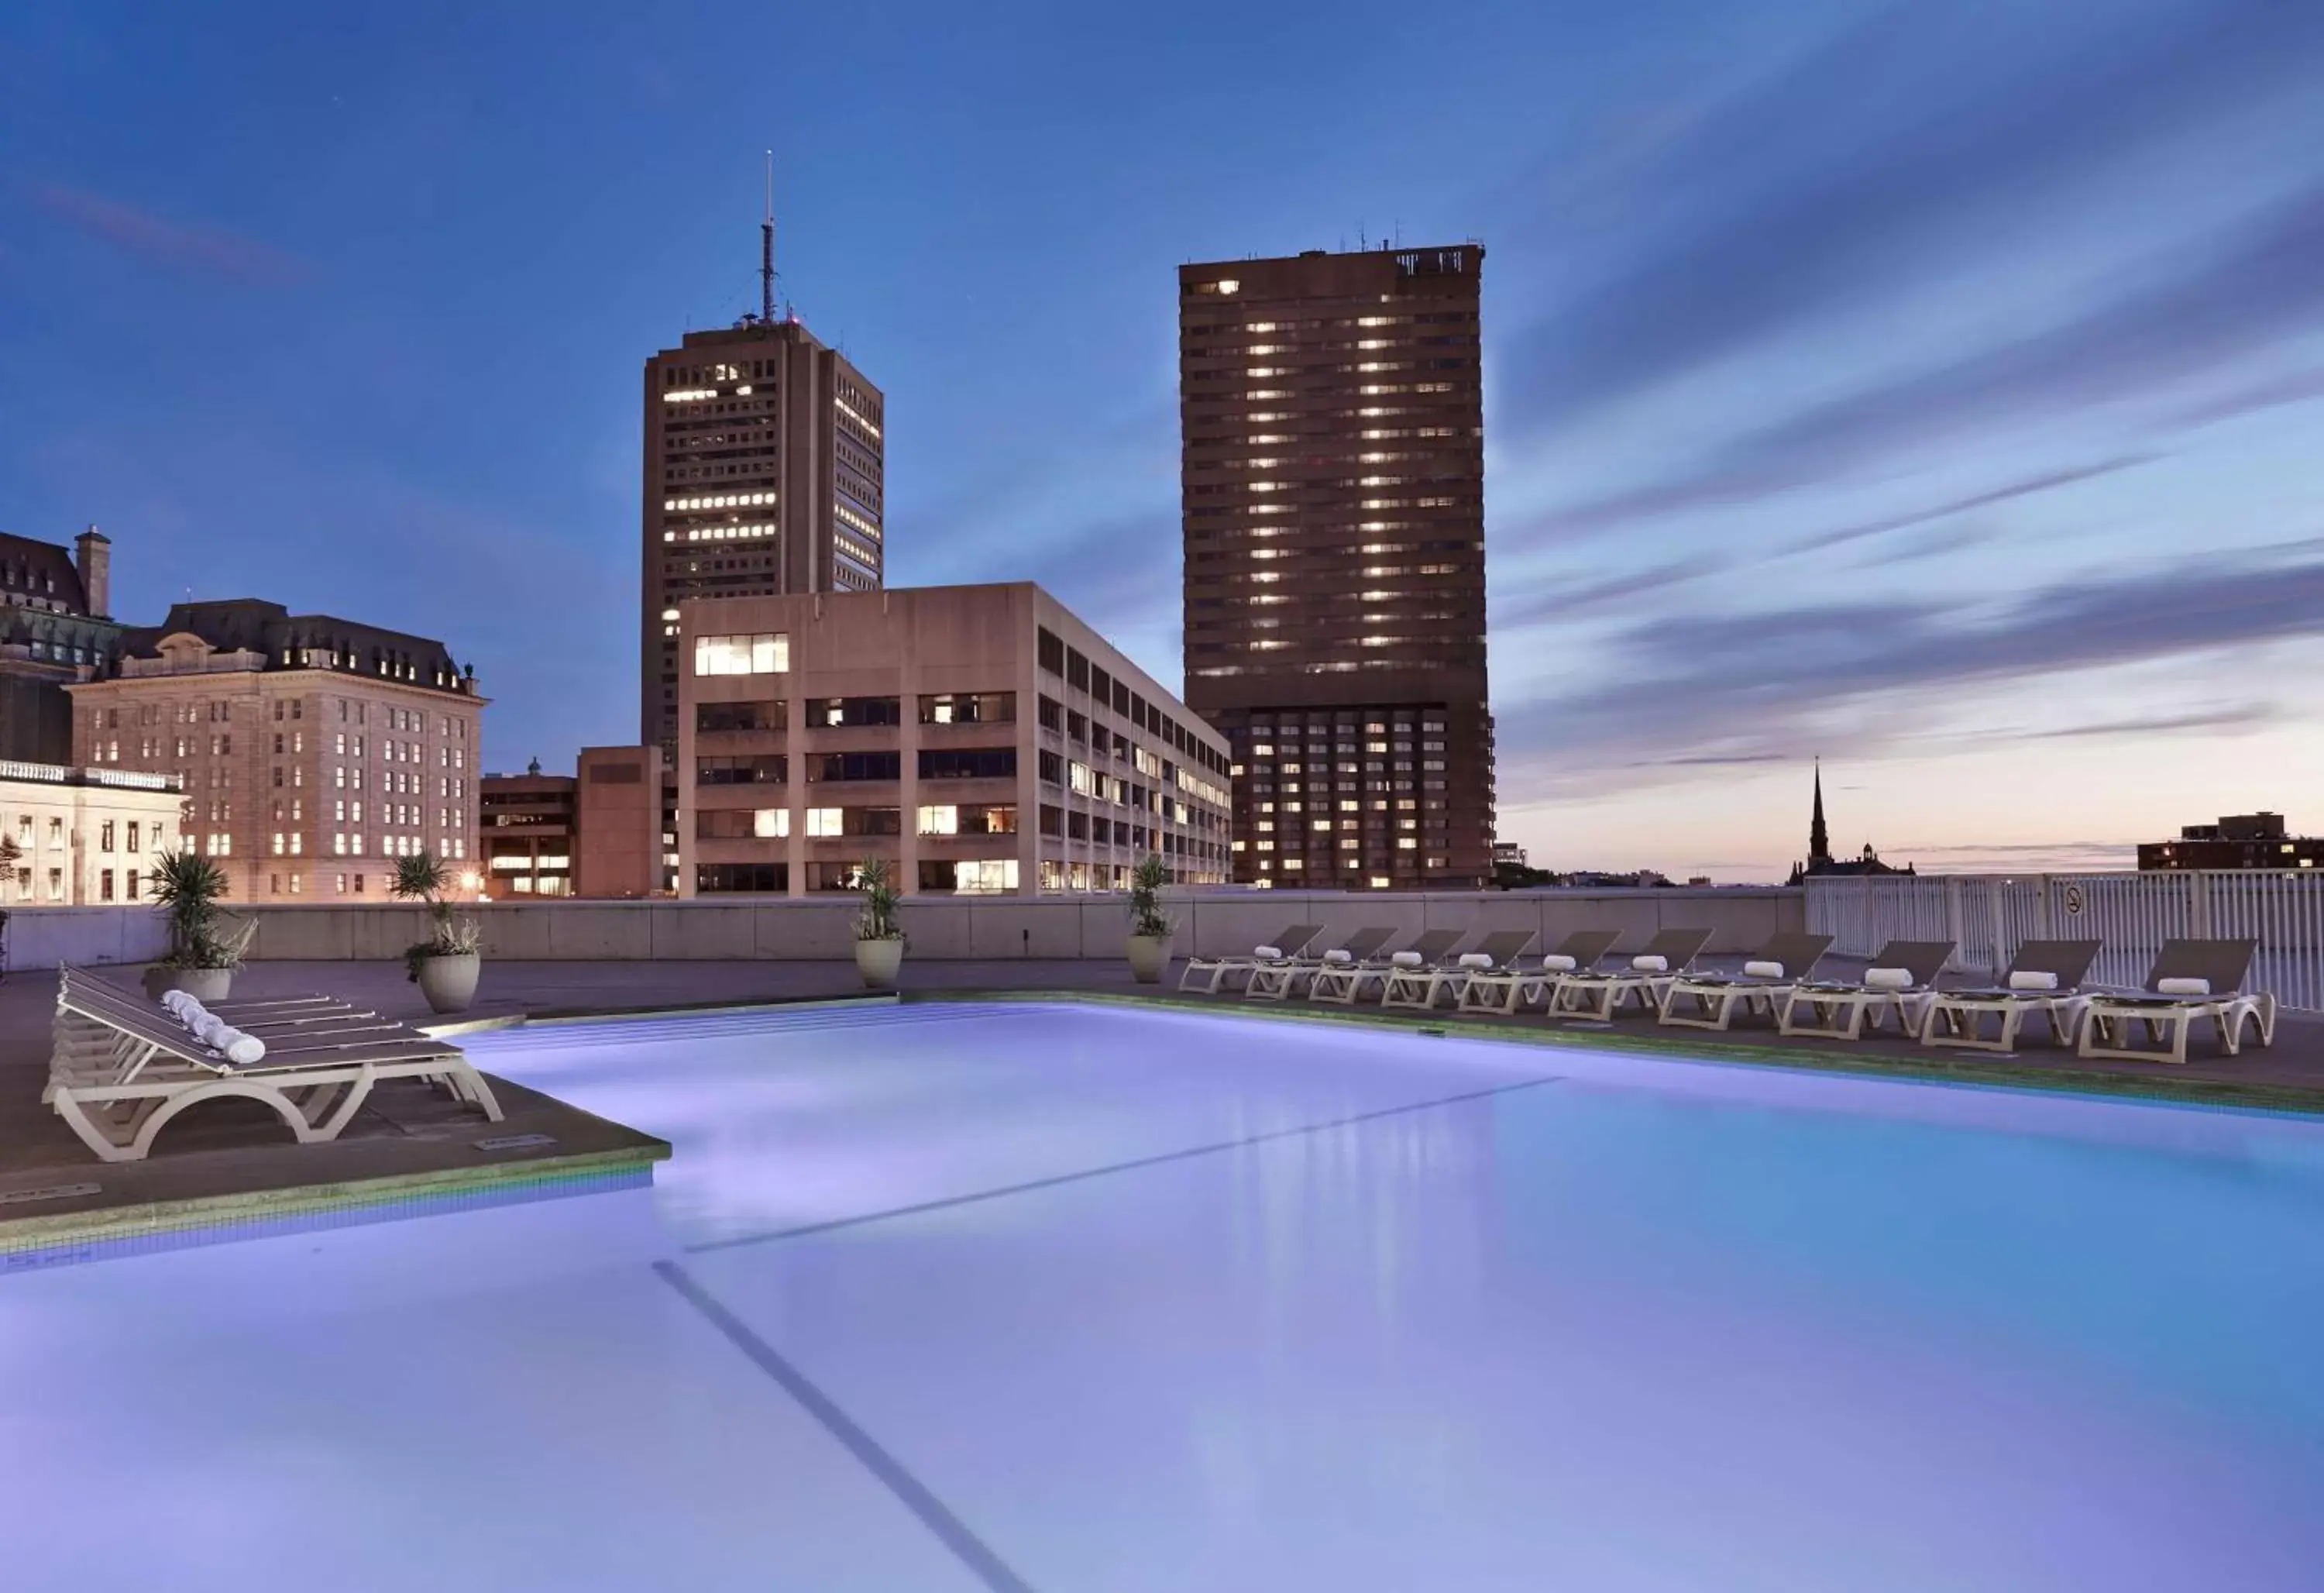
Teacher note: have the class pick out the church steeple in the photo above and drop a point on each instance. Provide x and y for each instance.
(1818, 837)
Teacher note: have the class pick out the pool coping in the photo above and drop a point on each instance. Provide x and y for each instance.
(76, 1235)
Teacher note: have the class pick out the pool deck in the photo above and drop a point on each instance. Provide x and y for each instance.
(231, 1162)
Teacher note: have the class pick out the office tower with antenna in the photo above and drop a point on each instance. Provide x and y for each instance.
(764, 475)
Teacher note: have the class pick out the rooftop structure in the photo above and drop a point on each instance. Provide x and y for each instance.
(2237, 840)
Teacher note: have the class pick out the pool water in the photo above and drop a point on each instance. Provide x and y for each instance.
(1094, 1299)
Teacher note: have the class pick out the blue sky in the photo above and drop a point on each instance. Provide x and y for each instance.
(1932, 388)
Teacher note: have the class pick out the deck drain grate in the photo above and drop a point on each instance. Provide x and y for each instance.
(516, 1142)
(61, 1191)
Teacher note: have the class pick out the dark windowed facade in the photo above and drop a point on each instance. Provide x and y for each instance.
(1332, 493)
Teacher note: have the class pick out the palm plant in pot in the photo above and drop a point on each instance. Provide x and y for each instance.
(445, 964)
(1150, 928)
(878, 937)
(187, 888)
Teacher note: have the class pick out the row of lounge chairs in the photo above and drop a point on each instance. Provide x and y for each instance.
(2192, 981)
(122, 1066)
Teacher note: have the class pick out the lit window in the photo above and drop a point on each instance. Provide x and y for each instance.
(770, 823)
(824, 821)
(768, 653)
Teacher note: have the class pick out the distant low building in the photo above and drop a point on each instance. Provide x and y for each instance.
(2238, 840)
(596, 833)
(1821, 862)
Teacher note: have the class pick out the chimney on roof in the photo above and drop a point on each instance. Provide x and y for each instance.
(93, 557)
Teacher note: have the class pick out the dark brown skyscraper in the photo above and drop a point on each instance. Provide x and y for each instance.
(764, 475)
(1332, 425)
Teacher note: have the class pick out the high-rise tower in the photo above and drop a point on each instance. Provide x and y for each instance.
(1333, 436)
(765, 467)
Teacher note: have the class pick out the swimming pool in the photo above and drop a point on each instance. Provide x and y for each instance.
(1092, 1298)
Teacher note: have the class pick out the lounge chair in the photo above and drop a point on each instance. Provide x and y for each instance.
(1278, 981)
(1420, 987)
(2190, 980)
(123, 1066)
(1212, 972)
(1598, 996)
(1708, 1001)
(2045, 976)
(1346, 983)
(1901, 978)
(1505, 990)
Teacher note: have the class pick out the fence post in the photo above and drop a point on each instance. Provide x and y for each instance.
(1953, 918)
(2041, 907)
(1997, 957)
(2199, 905)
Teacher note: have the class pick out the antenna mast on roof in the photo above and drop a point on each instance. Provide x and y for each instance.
(767, 250)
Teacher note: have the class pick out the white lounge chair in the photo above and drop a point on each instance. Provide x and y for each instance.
(1505, 990)
(1420, 987)
(1710, 1001)
(1280, 981)
(1211, 974)
(1598, 996)
(2191, 981)
(1900, 979)
(122, 1066)
(2045, 976)
(1346, 983)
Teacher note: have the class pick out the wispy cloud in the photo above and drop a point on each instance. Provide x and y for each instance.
(1706, 688)
(1885, 156)
(176, 244)
(2265, 283)
(2028, 487)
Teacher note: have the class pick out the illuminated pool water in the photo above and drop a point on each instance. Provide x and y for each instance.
(1084, 1298)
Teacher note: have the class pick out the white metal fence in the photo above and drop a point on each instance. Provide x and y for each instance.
(1988, 916)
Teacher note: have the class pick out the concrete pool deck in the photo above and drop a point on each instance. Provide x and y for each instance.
(232, 1161)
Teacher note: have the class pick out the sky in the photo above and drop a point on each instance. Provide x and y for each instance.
(1932, 390)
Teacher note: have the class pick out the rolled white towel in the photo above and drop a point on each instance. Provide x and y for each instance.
(1339, 959)
(1764, 970)
(2183, 986)
(1650, 965)
(214, 1032)
(175, 1002)
(1406, 958)
(1887, 979)
(1557, 963)
(2027, 979)
(1268, 953)
(1475, 959)
(240, 1048)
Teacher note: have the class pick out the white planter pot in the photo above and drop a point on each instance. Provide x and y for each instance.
(449, 983)
(205, 984)
(878, 961)
(1150, 958)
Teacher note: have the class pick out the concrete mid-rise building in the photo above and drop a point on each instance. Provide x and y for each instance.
(55, 628)
(1332, 457)
(74, 837)
(313, 751)
(979, 738)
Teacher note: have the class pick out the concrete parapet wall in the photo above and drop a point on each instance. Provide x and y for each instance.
(941, 928)
(42, 936)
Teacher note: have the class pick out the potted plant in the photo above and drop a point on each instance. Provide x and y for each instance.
(202, 958)
(1150, 928)
(445, 964)
(878, 938)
